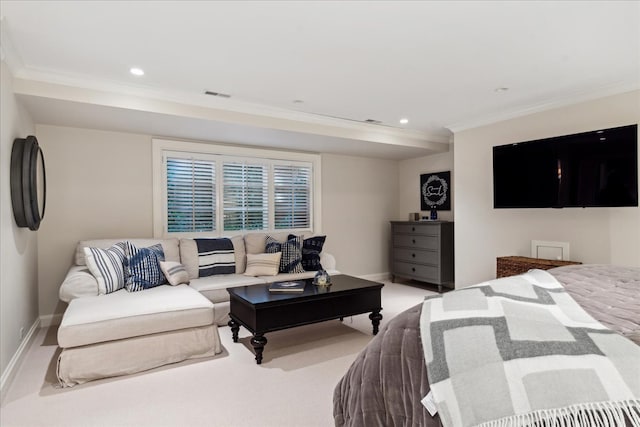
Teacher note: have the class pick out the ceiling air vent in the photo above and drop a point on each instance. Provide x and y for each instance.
(218, 94)
(374, 122)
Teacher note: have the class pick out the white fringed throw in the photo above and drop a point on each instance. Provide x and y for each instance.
(520, 351)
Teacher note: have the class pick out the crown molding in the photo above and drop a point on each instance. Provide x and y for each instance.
(575, 98)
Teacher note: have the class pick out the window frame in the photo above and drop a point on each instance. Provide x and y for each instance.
(223, 152)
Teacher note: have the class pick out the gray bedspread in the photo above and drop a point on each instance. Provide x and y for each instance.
(388, 379)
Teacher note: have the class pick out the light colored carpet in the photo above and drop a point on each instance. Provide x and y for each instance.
(293, 386)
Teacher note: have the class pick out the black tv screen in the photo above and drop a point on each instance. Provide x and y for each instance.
(590, 169)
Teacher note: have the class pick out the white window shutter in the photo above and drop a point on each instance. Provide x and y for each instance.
(245, 196)
(292, 193)
(191, 195)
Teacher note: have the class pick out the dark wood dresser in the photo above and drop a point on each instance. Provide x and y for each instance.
(423, 251)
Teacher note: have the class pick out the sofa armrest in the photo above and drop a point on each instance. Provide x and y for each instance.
(78, 283)
(328, 261)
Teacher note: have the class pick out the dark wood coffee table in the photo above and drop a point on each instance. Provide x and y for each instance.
(261, 311)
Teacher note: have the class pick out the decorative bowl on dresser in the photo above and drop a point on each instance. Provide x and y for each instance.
(423, 251)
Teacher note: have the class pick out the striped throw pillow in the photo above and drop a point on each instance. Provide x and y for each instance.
(106, 265)
(142, 267)
(262, 264)
(175, 272)
(215, 256)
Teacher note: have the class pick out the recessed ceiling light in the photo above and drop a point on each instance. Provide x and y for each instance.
(404, 121)
(137, 71)
(501, 89)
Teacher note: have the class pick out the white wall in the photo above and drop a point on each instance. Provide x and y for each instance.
(409, 183)
(18, 268)
(359, 198)
(596, 235)
(100, 185)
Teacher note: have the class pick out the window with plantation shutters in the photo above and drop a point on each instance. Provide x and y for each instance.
(245, 196)
(210, 190)
(191, 195)
(292, 196)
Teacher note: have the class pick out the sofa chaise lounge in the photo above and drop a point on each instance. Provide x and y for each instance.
(122, 332)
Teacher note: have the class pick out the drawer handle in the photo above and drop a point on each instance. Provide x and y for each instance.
(413, 241)
(413, 269)
(413, 229)
(413, 255)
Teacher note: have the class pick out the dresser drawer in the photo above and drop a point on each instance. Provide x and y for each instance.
(427, 229)
(424, 272)
(416, 241)
(416, 255)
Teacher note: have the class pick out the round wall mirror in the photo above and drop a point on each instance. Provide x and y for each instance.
(28, 182)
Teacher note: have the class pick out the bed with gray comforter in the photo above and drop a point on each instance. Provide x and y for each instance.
(387, 381)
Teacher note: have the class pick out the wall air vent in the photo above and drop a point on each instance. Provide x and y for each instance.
(374, 122)
(218, 94)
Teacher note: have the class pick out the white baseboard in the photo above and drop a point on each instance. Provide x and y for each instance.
(12, 368)
(378, 277)
(50, 320)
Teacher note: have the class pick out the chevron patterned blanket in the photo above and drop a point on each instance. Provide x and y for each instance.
(519, 351)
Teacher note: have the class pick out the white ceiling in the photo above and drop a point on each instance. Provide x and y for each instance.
(436, 63)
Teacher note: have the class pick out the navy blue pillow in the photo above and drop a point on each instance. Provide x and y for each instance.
(311, 249)
(291, 258)
(215, 256)
(142, 267)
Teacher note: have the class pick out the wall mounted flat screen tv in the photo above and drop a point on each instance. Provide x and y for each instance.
(590, 169)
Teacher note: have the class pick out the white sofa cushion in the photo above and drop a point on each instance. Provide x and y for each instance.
(255, 243)
(78, 283)
(125, 314)
(215, 287)
(169, 247)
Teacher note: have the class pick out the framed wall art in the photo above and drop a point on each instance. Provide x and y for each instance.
(435, 191)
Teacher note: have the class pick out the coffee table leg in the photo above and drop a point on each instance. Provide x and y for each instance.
(375, 317)
(235, 327)
(258, 341)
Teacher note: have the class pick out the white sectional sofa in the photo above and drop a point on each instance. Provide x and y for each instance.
(104, 335)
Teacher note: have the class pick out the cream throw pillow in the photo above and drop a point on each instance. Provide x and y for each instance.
(263, 264)
(174, 272)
